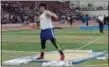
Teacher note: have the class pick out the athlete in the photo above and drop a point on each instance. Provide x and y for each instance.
(47, 31)
(101, 23)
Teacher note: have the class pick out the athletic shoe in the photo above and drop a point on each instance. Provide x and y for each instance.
(40, 57)
(62, 57)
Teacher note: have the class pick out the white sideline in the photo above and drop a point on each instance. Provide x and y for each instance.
(92, 42)
(67, 50)
(19, 51)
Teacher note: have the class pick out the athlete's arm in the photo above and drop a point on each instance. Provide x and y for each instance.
(49, 13)
(37, 20)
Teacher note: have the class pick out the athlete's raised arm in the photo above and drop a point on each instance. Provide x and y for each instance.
(49, 13)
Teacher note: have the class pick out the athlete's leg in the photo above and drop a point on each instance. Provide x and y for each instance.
(53, 40)
(43, 42)
(86, 23)
(102, 27)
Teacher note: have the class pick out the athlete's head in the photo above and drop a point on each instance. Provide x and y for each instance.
(42, 7)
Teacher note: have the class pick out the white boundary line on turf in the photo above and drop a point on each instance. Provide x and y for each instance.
(61, 42)
(92, 42)
(97, 65)
(66, 51)
(19, 51)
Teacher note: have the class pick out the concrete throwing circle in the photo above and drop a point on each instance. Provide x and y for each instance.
(68, 56)
(74, 56)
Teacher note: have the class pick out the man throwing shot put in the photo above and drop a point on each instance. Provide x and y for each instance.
(47, 31)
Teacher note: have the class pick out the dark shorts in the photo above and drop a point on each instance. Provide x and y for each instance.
(47, 34)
